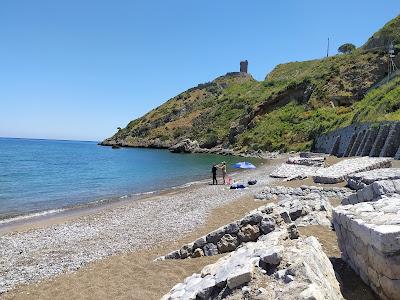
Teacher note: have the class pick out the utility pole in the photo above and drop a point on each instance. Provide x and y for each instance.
(327, 49)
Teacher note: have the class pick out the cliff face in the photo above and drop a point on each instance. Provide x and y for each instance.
(295, 102)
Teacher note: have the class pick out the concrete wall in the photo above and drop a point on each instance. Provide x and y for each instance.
(362, 140)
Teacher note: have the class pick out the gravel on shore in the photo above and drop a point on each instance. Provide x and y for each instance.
(41, 253)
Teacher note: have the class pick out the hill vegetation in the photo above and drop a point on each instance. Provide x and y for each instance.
(296, 102)
(387, 34)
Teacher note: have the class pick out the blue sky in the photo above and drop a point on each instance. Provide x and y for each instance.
(78, 69)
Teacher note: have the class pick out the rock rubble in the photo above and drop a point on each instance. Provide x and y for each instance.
(311, 209)
(289, 269)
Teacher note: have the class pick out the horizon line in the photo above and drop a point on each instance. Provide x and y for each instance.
(46, 139)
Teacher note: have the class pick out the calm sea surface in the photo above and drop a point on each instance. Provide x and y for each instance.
(41, 175)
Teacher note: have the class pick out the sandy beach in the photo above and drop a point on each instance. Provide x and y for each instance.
(56, 251)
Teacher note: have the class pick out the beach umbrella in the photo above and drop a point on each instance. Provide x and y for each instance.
(244, 165)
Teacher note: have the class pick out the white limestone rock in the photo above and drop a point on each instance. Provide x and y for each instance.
(361, 179)
(369, 239)
(295, 268)
(292, 170)
(339, 171)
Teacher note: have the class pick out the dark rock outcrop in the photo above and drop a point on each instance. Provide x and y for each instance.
(185, 146)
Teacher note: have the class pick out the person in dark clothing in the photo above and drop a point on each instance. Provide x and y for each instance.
(214, 174)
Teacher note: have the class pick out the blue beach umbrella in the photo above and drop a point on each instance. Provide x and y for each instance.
(244, 165)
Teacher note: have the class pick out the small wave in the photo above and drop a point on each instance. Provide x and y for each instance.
(7, 220)
(31, 216)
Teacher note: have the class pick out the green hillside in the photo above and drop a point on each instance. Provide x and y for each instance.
(295, 102)
(388, 33)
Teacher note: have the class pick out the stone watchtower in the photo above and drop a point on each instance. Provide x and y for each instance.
(243, 66)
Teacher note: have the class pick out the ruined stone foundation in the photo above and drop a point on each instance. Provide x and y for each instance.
(369, 240)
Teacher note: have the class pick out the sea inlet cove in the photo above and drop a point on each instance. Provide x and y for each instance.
(216, 150)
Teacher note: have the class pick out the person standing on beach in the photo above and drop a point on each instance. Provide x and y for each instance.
(214, 174)
(223, 169)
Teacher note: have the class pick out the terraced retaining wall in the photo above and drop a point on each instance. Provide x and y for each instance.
(362, 140)
(369, 240)
(229, 237)
(286, 215)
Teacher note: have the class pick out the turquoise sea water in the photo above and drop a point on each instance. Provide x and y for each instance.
(41, 175)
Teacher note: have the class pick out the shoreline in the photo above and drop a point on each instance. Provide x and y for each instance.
(33, 252)
(14, 222)
(10, 224)
(157, 276)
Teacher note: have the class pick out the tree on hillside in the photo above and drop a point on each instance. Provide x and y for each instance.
(346, 48)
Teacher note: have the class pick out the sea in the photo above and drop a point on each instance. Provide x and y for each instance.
(46, 176)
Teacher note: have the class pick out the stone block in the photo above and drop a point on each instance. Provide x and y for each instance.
(252, 219)
(228, 243)
(293, 232)
(284, 214)
(198, 253)
(383, 187)
(231, 228)
(200, 242)
(186, 251)
(249, 233)
(386, 238)
(296, 212)
(215, 236)
(271, 256)
(267, 225)
(368, 193)
(240, 276)
(210, 249)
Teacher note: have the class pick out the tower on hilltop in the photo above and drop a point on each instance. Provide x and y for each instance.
(243, 66)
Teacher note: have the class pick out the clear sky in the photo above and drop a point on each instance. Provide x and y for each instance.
(77, 69)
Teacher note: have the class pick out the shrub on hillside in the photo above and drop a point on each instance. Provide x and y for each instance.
(346, 48)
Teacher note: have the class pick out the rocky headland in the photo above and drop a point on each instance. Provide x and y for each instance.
(295, 104)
